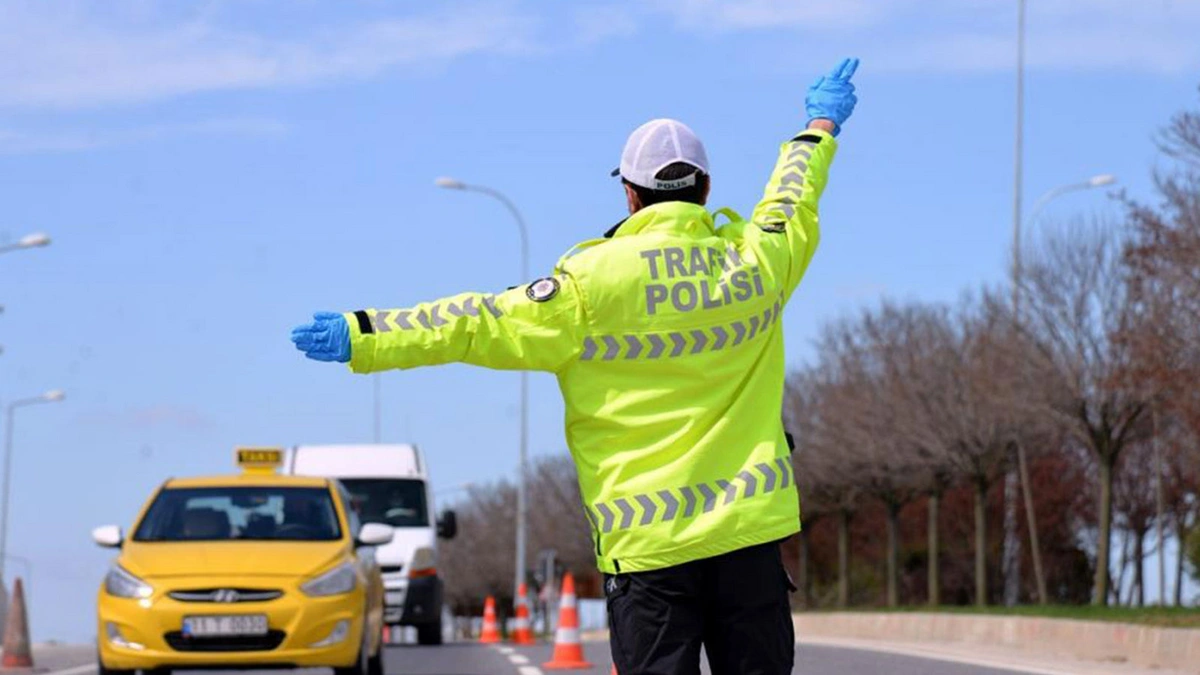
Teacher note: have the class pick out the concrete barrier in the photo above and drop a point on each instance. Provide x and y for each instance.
(1089, 640)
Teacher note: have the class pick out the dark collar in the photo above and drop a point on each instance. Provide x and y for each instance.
(613, 230)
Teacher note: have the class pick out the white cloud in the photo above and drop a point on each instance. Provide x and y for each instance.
(81, 55)
(968, 35)
(77, 59)
(726, 15)
(599, 23)
(18, 142)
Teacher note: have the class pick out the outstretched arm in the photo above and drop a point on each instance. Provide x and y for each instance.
(787, 215)
(532, 327)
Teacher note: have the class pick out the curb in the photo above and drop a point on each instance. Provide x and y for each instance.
(1146, 646)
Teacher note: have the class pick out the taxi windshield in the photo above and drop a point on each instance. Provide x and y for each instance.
(396, 502)
(240, 513)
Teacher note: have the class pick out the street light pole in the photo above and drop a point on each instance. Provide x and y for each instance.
(1012, 546)
(48, 397)
(522, 506)
(34, 240)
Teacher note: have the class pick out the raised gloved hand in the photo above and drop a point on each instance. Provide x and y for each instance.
(327, 338)
(832, 97)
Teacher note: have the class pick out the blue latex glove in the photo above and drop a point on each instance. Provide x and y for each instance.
(832, 97)
(327, 338)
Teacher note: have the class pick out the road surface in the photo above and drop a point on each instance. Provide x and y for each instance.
(474, 659)
(469, 659)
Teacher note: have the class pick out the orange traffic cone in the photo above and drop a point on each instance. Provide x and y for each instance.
(16, 632)
(522, 634)
(491, 632)
(568, 650)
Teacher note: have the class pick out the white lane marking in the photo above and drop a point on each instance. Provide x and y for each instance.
(87, 668)
(932, 655)
(516, 659)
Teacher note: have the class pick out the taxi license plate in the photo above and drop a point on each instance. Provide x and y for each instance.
(214, 626)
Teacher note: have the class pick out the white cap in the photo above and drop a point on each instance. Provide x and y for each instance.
(657, 144)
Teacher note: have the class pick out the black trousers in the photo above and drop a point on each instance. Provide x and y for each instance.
(735, 605)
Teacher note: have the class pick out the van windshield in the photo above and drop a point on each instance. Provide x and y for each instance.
(395, 501)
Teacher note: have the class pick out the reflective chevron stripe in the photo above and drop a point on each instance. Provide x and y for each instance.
(673, 344)
(663, 506)
(387, 320)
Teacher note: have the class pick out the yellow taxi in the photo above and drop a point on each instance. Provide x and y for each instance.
(255, 570)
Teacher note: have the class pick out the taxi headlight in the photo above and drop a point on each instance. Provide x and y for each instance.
(339, 580)
(122, 584)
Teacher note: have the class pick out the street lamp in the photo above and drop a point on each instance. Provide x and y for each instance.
(52, 396)
(35, 240)
(452, 184)
(1094, 182)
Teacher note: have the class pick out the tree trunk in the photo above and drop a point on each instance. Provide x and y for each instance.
(1139, 564)
(893, 554)
(1180, 534)
(934, 593)
(981, 580)
(844, 559)
(1100, 593)
(803, 574)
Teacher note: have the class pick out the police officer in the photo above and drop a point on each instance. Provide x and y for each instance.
(666, 339)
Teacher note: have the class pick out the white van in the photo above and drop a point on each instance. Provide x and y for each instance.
(389, 484)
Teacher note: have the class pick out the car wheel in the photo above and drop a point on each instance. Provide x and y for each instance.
(430, 634)
(375, 663)
(157, 671)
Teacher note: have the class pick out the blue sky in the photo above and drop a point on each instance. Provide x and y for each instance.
(213, 172)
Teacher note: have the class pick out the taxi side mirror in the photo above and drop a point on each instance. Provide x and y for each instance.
(447, 526)
(374, 534)
(108, 536)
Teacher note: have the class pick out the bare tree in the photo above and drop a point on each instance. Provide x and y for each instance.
(978, 404)
(1135, 506)
(479, 562)
(902, 345)
(1078, 305)
(824, 461)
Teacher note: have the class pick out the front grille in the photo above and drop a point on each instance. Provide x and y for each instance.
(225, 595)
(391, 569)
(240, 643)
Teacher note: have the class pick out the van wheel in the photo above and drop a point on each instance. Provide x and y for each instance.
(430, 634)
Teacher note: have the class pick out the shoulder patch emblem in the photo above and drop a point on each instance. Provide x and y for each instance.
(542, 289)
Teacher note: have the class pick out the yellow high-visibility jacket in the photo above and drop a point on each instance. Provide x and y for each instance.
(667, 343)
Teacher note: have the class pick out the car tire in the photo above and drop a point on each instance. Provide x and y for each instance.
(430, 633)
(375, 663)
(157, 671)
